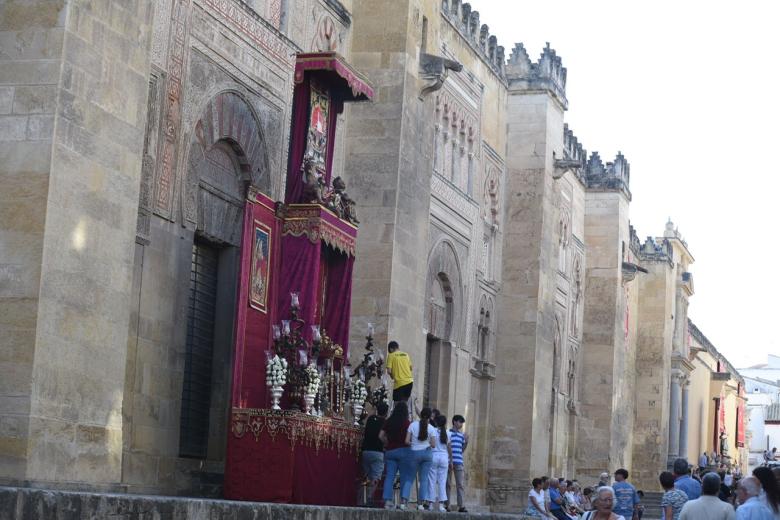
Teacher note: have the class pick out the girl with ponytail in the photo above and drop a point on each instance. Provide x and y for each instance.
(422, 437)
(437, 478)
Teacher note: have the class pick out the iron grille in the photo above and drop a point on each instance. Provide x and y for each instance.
(196, 392)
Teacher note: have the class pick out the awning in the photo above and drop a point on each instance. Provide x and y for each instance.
(338, 71)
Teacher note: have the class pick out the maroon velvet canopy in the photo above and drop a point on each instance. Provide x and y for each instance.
(339, 74)
(323, 83)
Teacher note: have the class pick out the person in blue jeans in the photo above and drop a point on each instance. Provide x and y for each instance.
(373, 451)
(421, 437)
(393, 435)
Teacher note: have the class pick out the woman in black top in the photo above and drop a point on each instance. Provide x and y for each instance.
(373, 457)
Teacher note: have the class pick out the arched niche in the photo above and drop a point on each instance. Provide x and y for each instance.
(226, 138)
(443, 293)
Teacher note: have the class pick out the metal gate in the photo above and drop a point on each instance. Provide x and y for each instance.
(196, 394)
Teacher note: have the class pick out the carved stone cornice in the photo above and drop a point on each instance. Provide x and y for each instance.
(454, 198)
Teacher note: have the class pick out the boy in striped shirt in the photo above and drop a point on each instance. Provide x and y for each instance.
(459, 440)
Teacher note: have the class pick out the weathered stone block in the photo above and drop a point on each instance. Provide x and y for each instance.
(35, 99)
(13, 128)
(40, 128)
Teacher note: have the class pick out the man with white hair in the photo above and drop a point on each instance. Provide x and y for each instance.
(751, 507)
(708, 505)
(603, 506)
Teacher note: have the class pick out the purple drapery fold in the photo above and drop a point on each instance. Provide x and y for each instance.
(300, 126)
(338, 297)
(300, 273)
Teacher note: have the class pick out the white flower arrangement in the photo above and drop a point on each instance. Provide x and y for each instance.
(276, 371)
(359, 393)
(313, 377)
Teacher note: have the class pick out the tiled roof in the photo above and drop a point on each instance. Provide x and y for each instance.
(773, 412)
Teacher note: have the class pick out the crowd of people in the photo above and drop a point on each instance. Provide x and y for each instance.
(401, 451)
(688, 494)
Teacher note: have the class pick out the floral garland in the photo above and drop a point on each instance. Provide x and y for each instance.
(359, 393)
(276, 371)
(312, 379)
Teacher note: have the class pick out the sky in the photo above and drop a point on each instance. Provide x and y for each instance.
(687, 90)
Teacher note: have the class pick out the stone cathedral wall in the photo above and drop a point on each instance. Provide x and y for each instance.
(492, 247)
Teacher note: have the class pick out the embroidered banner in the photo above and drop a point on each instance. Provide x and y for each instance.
(317, 136)
(261, 260)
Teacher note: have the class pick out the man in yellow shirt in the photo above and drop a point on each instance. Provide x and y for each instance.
(399, 366)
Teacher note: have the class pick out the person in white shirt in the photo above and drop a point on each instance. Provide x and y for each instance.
(437, 478)
(708, 505)
(421, 437)
(536, 507)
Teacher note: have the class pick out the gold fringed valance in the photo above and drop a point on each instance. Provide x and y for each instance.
(319, 224)
(299, 428)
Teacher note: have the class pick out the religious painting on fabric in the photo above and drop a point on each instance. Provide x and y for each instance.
(258, 285)
(317, 137)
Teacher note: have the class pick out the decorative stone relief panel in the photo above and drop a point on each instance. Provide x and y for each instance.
(327, 27)
(257, 31)
(557, 352)
(176, 65)
(491, 199)
(491, 208)
(577, 288)
(270, 10)
(149, 159)
(454, 199)
(564, 238)
(161, 27)
(456, 140)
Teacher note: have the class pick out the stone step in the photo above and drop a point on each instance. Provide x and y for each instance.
(28, 503)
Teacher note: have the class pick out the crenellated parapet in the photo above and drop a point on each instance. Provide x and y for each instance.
(548, 73)
(634, 244)
(478, 36)
(656, 250)
(612, 176)
(574, 153)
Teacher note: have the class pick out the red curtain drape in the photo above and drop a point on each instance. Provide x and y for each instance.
(300, 272)
(325, 477)
(338, 291)
(300, 126)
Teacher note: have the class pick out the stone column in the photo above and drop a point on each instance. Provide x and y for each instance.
(684, 420)
(674, 419)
